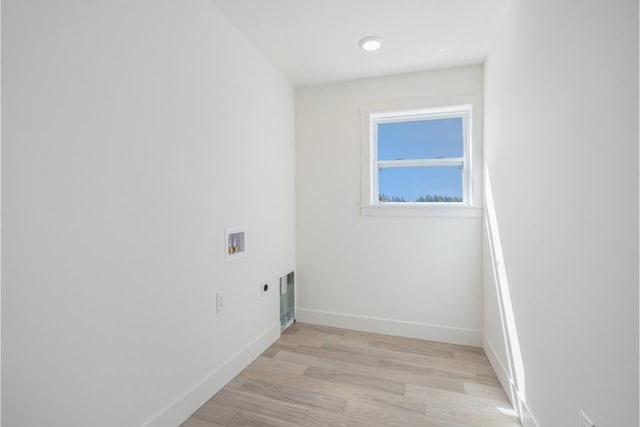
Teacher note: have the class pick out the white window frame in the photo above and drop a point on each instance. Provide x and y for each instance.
(372, 116)
(458, 112)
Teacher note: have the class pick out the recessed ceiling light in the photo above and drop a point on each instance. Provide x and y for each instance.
(371, 43)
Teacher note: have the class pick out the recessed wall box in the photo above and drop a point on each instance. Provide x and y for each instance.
(235, 242)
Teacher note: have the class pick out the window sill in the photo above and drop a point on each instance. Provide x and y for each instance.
(422, 211)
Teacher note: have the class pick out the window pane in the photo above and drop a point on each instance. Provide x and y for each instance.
(420, 184)
(424, 139)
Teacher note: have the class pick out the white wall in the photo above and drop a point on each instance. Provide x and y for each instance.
(133, 134)
(561, 145)
(417, 276)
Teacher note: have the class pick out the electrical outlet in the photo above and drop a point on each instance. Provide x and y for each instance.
(219, 302)
(264, 288)
(586, 422)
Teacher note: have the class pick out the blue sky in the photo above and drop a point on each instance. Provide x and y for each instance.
(420, 140)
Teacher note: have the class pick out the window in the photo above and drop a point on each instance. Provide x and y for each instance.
(420, 157)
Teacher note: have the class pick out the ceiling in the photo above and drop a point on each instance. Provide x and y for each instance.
(316, 41)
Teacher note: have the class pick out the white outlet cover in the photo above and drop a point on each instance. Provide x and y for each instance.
(219, 302)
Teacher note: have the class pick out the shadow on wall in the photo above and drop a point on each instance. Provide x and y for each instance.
(510, 334)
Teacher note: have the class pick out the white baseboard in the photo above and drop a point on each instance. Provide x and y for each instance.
(501, 371)
(528, 420)
(400, 328)
(186, 404)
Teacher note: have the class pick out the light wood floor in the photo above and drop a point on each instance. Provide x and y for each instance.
(320, 376)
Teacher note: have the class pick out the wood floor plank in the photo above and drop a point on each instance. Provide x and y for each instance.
(236, 381)
(344, 356)
(415, 343)
(328, 336)
(295, 395)
(323, 376)
(484, 390)
(301, 340)
(284, 411)
(270, 352)
(427, 351)
(366, 381)
(290, 331)
(444, 397)
(318, 328)
(342, 390)
(277, 365)
(475, 410)
(380, 353)
(317, 418)
(463, 413)
(455, 377)
(474, 365)
(468, 366)
(489, 380)
(194, 421)
(371, 371)
(427, 370)
(245, 418)
(216, 413)
(367, 411)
